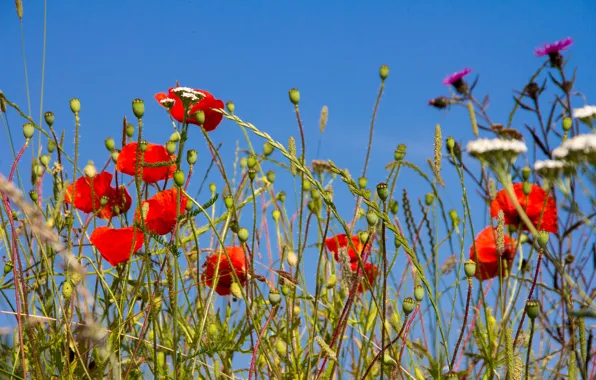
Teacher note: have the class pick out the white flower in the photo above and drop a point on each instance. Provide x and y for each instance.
(180, 91)
(482, 146)
(576, 147)
(549, 164)
(167, 102)
(586, 112)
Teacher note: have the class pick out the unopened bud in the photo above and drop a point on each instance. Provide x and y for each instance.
(292, 258)
(251, 161)
(526, 171)
(294, 96)
(527, 188)
(362, 182)
(274, 297)
(372, 218)
(175, 136)
(271, 176)
(110, 144)
(114, 155)
(393, 206)
(33, 195)
(230, 106)
(130, 130)
(567, 123)
(45, 160)
(419, 292)
(243, 235)
(75, 105)
(429, 198)
(275, 214)
(179, 178)
(267, 148)
(171, 147)
(200, 116)
(384, 72)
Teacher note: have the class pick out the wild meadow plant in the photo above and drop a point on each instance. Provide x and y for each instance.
(120, 271)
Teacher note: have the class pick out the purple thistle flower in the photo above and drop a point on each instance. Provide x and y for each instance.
(553, 48)
(455, 77)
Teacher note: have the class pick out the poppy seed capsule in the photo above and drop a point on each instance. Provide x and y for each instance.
(393, 206)
(382, 191)
(470, 268)
(45, 160)
(189, 205)
(271, 176)
(175, 136)
(37, 170)
(51, 146)
(75, 105)
(274, 297)
(192, 156)
(526, 171)
(143, 145)
(49, 118)
(372, 219)
(229, 201)
(532, 308)
(104, 200)
(33, 195)
(408, 305)
(130, 130)
(400, 152)
(171, 147)
(542, 239)
(200, 116)
(8, 267)
(251, 161)
(306, 185)
(179, 178)
(28, 130)
(281, 196)
(362, 182)
(527, 188)
(110, 144)
(267, 148)
(252, 174)
(363, 236)
(230, 106)
(285, 290)
(275, 214)
(294, 96)
(419, 292)
(384, 72)
(243, 235)
(567, 123)
(138, 108)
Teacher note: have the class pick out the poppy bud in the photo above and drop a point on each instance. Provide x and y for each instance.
(110, 144)
(75, 105)
(130, 130)
(393, 206)
(275, 214)
(229, 201)
(38, 170)
(212, 188)
(400, 152)
(51, 146)
(313, 206)
(281, 348)
(188, 205)
(527, 188)
(191, 156)
(450, 144)
(252, 174)
(251, 161)
(175, 136)
(28, 130)
(49, 118)
(243, 235)
(306, 185)
(271, 176)
(230, 106)
(397, 242)
(295, 96)
(362, 182)
(292, 259)
(67, 290)
(567, 123)
(470, 268)
(429, 198)
(179, 178)
(33, 195)
(526, 171)
(200, 116)
(116, 210)
(236, 290)
(138, 108)
(408, 305)
(90, 170)
(45, 160)
(281, 196)
(171, 147)
(372, 219)
(542, 239)
(384, 72)
(243, 162)
(285, 290)
(143, 145)
(382, 191)
(267, 148)
(363, 236)
(274, 297)
(114, 155)
(331, 282)
(440, 102)
(419, 292)
(532, 308)
(8, 267)
(523, 238)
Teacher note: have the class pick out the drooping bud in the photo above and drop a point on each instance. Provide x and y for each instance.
(51, 146)
(179, 178)
(281, 196)
(75, 105)
(408, 305)
(527, 188)
(470, 268)
(363, 236)
(212, 188)
(236, 290)
(110, 144)
(49, 118)
(450, 144)
(114, 155)
(189, 205)
(294, 96)
(243, 235)
(275, 214)
(45, 160)
(384, 72)
(138, 108)
(33, 195)
(28, 130)
(8, 267)
(532, 308)
(400, 152)
(192, 156)
(285, 290)
(230, 106)
(267, 148)
(171, 147)
(243, 162)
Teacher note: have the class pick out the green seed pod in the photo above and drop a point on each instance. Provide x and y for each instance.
(450, 144)
(138, 108)
(372, 219)
(281, 196)
(470, 268)
(175, 136)
(306, 185)
(236, 290)
(189, 205)
(388, 360)
(527, 188)
(408, 305)
(397, 242)
(114, 155)
(243, 235)
(382, 191)
(429, 199)
(274, 297)
(362, 182)
(393, 206)
(294, 96)
(234, 226)
(49, 118)
(104, 201)
(363, 236)
(37, 170)
(526, 171)
(51, 146)
(384, 72)
(179, 178)
(523, 238)
(130, 130)
(275, 214)
(191, 156)
(542, 239)
(171, 147)
(110, 144)
(567, 123)
(419, 292)
(400, 152)
(285, 290)
(200, 116)
(229, 201)
(532, 308)
(8, 267)
(45, 160)
(143, 145)
(33, 195)
(75, 105)
(67, 290)
(230, 106)
(267, 148)
(212, 188)
(271, 176)
(76, 277)
(251, 161)
(252, 174)
(28, 130)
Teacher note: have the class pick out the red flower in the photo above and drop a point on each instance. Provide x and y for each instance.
(340, 242)
(371, 274)
(193, 101)
(89, 192)
(160, 211)
(116, 245)
(226, 272)
(127, 161)
(532, 204)
(487, 260)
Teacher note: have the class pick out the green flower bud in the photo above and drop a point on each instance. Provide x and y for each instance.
(189, 205)
(542, 239)
(212, 188)
(130, 130)
(138, 108)
(470, 268)
(171, 147)
(75, 105)
(362, 182)
(251, 161)
(372, 219)
(393, 206)
(252, 174)
(110, 144)
(281, 348)
(175, 136)
(267, 148)
(49, 118)
(527, 188)
(295, 96)
(331, 282)
(532, 308)
(285, 290)
(45, 160)
(33, 195)
(28, 130)
(567, 123)
(37, 170)
(419, 292)
(400, 152)
(408, 305)
(229, 201)
(450, 144)
(230, 106)
(363, 236)
(306, 185)
(179, 178)
(382, 191)
(90, 170)
(275, 214)
(67, 290)
(200, 116)
(397, 242)
(314, 194)
(243, 235)
(384, 72)
(281, 196)
(274, 297)
(429, 198)
(243, 162)
(313, 207)
(191, 156)
(114, 155)
(51, 146)
(271, 176)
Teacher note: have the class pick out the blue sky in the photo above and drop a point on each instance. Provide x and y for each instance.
(108, 53)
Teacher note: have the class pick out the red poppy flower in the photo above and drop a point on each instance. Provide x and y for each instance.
(340, 242)
(193, 101)
(160, 211)
(487, 260)
(371, 274)
(116, 245)
(89, 192)
(226, 272)
(127, 161)
(533, 204)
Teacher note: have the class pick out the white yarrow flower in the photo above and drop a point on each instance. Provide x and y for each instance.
(498, 154)
(577, 148)
(586, 112)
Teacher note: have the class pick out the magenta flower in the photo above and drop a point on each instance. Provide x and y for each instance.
(456, 77)
(554, 48)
